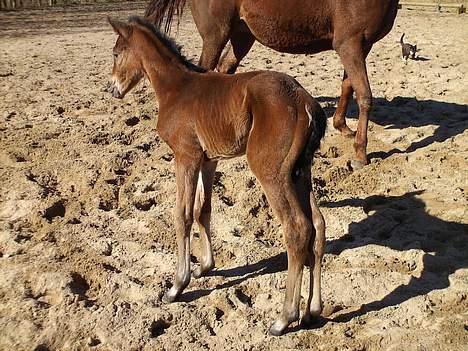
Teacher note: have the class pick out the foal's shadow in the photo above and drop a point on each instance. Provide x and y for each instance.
(402, 223)
(402, 112)
(270, 265)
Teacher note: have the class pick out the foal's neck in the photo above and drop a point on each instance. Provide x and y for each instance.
(164, 69)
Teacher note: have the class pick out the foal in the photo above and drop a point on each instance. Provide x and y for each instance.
(206, 117)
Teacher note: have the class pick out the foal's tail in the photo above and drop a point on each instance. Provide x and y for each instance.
(317, 127)
(162, 12)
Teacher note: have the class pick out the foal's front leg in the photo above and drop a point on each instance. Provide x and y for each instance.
(186, 179)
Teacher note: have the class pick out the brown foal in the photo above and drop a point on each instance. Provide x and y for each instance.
(349, 27)
(206, 117)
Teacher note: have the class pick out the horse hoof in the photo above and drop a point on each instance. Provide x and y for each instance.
(356, 165)
(348, 133)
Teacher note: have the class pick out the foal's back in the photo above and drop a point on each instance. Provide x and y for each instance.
(222, 109)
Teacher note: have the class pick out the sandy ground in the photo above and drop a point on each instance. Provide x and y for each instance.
(87, 187)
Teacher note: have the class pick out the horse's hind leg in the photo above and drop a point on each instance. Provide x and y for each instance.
(339, 118)
(353, 55)
(240, 44)
(202, 214)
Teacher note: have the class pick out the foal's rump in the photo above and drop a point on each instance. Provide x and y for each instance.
(287, 121)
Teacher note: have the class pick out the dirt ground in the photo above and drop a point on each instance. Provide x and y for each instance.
(87, 244)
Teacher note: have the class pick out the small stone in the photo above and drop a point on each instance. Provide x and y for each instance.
(91, 341)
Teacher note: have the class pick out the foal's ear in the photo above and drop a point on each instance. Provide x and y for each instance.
(121, 28)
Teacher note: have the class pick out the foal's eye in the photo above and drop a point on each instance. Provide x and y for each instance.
(115, 56)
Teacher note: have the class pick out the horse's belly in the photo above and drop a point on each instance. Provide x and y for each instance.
(293, 33)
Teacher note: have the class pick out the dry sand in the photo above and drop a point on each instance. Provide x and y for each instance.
(86, 190)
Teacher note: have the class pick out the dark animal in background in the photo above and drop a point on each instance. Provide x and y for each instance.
(349, 27)
(206, 117)
(407, 50)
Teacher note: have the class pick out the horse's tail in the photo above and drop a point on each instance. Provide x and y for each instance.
(162, 12)
(401, 39)
(318, 125)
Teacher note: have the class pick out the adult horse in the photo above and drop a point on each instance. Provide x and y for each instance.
(350, 27)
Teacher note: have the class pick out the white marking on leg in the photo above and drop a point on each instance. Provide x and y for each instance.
(201, 190)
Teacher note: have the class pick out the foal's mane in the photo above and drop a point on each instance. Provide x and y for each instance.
(167, 42)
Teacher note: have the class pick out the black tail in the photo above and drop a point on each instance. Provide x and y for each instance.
(318, 126)
(162, 12)
(401, 39)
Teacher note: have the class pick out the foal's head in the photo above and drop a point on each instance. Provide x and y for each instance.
(130, 46)
(128, 68)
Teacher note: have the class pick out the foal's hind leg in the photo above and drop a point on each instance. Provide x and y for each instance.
(297, 229)
(303, 185)
(202, 213)
(316, 251)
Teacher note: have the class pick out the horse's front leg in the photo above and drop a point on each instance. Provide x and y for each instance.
(186, 179)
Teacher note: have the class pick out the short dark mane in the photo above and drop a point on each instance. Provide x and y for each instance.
(167, 41)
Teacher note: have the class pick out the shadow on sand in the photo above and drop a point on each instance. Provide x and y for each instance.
(402, 112)
(402, 223)
(397, 222)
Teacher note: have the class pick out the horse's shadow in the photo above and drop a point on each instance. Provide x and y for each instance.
(402, 223)
(397, 222)
(451, 119)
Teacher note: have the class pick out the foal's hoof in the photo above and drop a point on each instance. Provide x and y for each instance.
(278, 327)
(200, 271)
(307, 320)
(170, 296)
(355, 165)
(197, 273)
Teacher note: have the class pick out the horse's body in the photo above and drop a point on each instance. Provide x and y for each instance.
(207, 116)
(350, 27)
